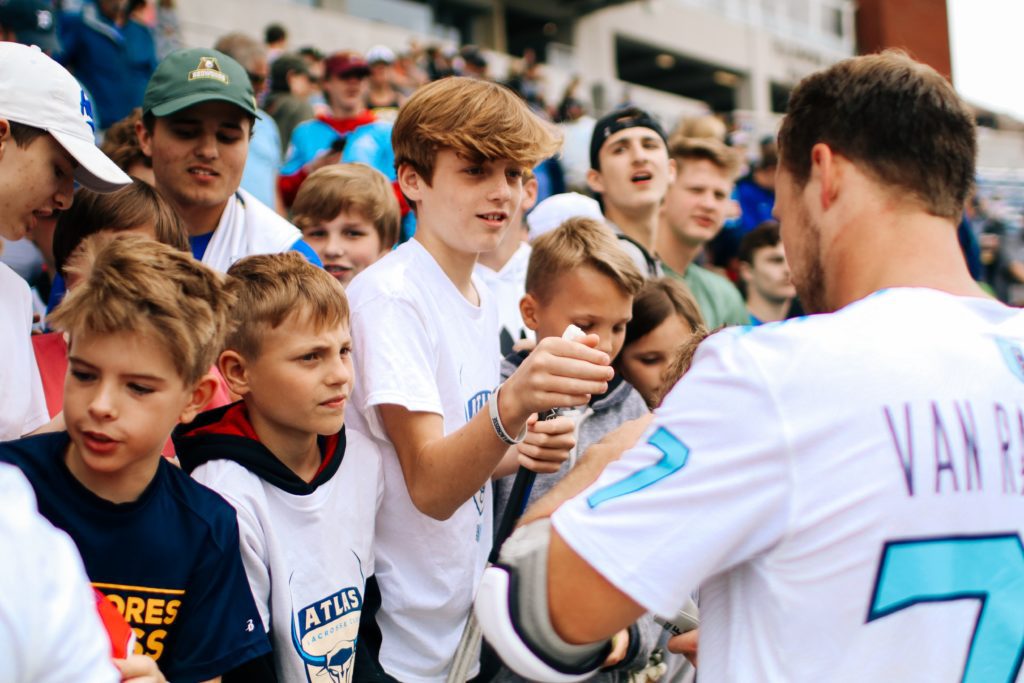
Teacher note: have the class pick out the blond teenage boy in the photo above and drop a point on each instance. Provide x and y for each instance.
(144, 329)
(305, 486)
(350, 216)
(423, 327)
(695, 209)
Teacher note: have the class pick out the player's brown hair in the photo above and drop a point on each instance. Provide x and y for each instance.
(577, 243)
(896, 118)
(351, 188)
(129, 207)
(683, 149)
(134, 284)
(273, 287)
(477, 119)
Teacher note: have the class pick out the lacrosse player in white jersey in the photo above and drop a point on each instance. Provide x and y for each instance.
(846, 489)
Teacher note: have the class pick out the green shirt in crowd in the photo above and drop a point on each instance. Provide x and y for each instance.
(719, 300)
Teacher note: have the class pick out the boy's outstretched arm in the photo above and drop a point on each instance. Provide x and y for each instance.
(443, 472)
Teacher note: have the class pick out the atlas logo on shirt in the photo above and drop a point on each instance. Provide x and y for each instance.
(324, 635)
(476, 402)
(474, 405)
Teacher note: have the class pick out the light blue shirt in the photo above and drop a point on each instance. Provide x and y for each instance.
(264, 162)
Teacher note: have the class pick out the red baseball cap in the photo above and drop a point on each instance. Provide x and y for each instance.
(342, 64)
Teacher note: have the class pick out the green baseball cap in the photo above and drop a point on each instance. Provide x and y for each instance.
(193, 76)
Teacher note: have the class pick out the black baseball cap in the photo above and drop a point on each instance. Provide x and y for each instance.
(34, 22)
(620, 119)
(284, 65)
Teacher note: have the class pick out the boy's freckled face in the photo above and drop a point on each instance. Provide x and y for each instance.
(590, 300)
(35, 181)
(645, 360)
(346, 245)
(469, 204)
(300, 382)
(122, 397)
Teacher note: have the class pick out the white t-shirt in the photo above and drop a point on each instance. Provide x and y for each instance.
(22, 403)
(508, 286)
(844, 488)
(418, 343)
(307, 556)
(50, 631)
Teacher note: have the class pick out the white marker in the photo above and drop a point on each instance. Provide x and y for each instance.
(572, 333)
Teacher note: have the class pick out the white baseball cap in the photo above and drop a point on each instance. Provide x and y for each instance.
(37, 91)
(558, 208)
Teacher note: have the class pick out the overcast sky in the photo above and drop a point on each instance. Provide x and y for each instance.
(987, 46)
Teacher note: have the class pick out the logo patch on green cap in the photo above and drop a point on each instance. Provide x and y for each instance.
(210, 69)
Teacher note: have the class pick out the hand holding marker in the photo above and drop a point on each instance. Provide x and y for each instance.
(469, 644)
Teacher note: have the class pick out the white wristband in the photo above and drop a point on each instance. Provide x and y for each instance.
(499, 429)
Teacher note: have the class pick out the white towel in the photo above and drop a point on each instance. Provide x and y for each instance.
(248, 227)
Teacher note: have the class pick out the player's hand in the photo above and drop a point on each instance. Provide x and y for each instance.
(556, 374)
(139, 669)
(547, 444)
(685, 645)
(620, 645)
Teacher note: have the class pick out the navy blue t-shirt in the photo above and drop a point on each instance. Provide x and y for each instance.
(170, 561)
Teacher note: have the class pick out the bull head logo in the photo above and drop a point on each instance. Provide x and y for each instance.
(336, 663)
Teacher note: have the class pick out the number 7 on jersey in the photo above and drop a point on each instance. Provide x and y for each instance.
(989, 569)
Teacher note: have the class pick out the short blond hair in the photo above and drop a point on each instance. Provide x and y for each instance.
(272, 287)
(354, 188)
(683, 149)
(135, 284)
(576, 243)
(707, 126)
(477, 119)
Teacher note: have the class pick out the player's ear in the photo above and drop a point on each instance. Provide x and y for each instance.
(528, 309)
(201, 395)
(594, 181)
(826, 168)
(232, 367)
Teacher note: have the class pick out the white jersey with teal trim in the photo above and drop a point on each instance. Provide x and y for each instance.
(847, 490)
